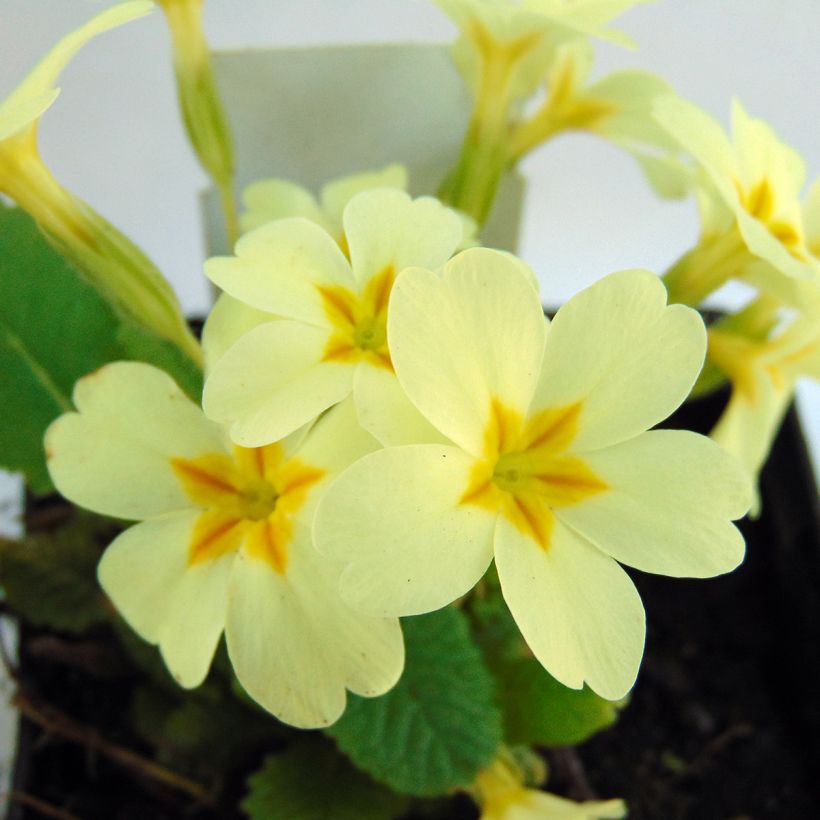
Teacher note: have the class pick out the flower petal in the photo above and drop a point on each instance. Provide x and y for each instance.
(333, 443)
(669, 508)
(538, 804)
(16, 118)
(278, 268)
(336, 194)
(164, 598)
(619, 350)
(37, 91)
(461, 341)
(747, 427)
(385, 411)
(385, 228)
(114, 455)
(764, 245)
(296, 646)
(273, 380)
(576, 608)
(701, 136)
(269, 199)
(227, 322)
(336, 440)
(395, 518)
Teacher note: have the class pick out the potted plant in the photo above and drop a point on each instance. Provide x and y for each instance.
(356, 549)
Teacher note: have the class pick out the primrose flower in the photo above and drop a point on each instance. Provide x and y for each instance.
(763, 376)
(224, 542)
(503, 796)
(757, 218)
(617, 107)
(505, 50)
(517, 40)
(270, 199)
(107, 258)
(332, 338)
(549, 468)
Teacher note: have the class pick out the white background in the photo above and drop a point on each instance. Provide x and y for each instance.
(114, 136)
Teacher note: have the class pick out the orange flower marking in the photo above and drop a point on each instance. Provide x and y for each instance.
(251, 498)
(526, 471)
(359, 321)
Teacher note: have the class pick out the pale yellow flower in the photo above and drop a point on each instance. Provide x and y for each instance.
(549, 468)
(331, 339)
(113, 264)
(752, 219)
(618, 108)
(521, 37)
(763, 376)
(270, 199)
(503, 796)
(224, 542)
(506, 50)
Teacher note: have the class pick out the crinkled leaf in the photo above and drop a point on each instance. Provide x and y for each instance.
(50, 579)
(200, 731)
(439, 725)
(312, 781)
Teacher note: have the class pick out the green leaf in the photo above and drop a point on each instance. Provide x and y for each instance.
(50, 579)
(539, 710)
(312, 781)
(438, 726)
(138, 344)
(55, 328)
(205, 728)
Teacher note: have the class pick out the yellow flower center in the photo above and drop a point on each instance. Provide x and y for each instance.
(251, 498)
(359, 321)
(742, 359)
(526, 471)
(760, 202)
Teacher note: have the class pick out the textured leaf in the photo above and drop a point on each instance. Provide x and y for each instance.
(439, 725)
(50, 579)
(312, 781)
(202, 730)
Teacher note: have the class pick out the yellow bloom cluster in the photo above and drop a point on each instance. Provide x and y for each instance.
(507, 51)
(387, 410)
(383, 415)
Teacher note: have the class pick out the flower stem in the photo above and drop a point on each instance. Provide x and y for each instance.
(200, 103)
(471, 186)
(705, 268)
(113, 264)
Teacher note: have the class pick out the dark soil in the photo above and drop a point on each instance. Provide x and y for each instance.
(725, 719)
(723, 723)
